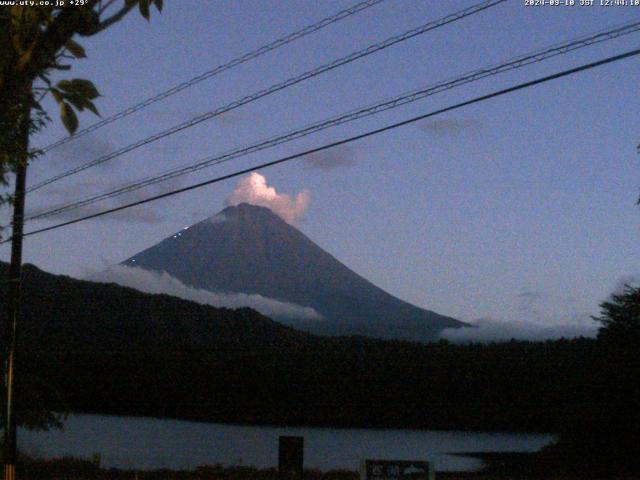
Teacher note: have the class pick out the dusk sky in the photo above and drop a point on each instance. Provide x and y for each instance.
(517, 212)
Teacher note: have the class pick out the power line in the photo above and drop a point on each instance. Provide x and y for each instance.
(280, 42)
(518, 62)
(341, 142)
(277, 87)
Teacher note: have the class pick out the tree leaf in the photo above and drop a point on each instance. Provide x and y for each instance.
(57, 95)
(75, 48)
(76, 100)
(144, 8)
(88, 22)
(89, 104)
(130, 3)
(69, 118)
(86, 88)
(158, 4)
(79, 86)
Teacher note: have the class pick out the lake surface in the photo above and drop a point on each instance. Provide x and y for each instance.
(148, 443)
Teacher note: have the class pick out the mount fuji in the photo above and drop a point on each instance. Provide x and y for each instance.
(249, 249)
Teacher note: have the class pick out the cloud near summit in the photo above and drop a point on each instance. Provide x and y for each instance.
(254, 189)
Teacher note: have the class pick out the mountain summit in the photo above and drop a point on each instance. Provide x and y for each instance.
(250, 249)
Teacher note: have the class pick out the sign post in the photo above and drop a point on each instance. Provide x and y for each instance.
(290, 457)
(396, 470)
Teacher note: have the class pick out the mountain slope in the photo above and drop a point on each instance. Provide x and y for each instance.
(250, 249)
(60, 313)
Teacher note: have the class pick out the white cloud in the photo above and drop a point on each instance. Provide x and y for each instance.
(498, 330)
(155, 282)
(336, 157)
(59, 196)
(253, 189)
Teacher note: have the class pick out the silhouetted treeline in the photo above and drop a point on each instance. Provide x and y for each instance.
(513, 386)
(103, 348)
(109, 349)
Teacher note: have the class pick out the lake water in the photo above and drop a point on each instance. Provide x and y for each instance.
(148, 443)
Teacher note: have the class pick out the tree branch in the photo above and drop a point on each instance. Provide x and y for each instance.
(52, 40)
(102, 9)
(116, 17)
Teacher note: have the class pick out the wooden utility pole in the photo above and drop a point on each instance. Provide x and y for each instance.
(13, 305)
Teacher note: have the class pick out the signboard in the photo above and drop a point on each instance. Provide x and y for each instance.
(290, 457)
(396, 470)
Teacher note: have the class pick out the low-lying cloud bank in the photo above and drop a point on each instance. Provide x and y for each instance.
(486, 330)
(155, 282)
(537, 318)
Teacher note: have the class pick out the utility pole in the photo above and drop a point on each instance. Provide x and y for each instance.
(13, 303)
